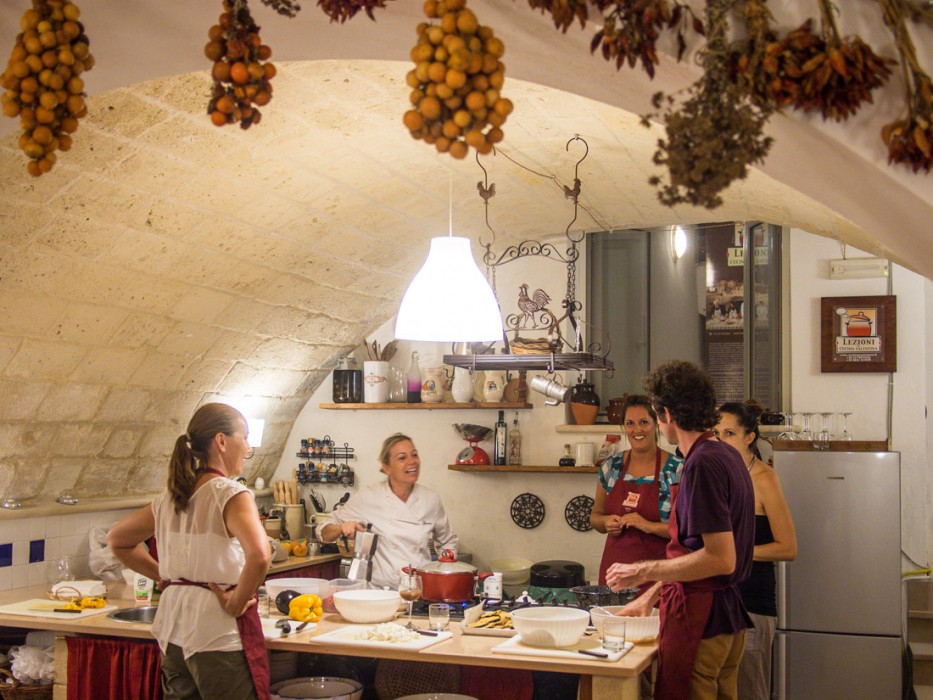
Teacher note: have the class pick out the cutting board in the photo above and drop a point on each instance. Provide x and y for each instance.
(347, 635)
(43, 607)
(515, 646)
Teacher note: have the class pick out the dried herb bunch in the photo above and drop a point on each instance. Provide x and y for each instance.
(714, 135)
(342, 10)
(808, 71)
(288, 8)
(909, 139)
(241, 79)
(563, 12)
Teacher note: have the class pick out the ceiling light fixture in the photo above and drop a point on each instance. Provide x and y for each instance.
(449, 300)
(678, 243)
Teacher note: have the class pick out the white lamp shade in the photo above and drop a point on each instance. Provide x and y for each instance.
(449, 300)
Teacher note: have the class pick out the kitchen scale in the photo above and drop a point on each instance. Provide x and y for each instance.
(473, 434)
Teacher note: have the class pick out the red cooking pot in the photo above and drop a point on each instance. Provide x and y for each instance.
(448, 580)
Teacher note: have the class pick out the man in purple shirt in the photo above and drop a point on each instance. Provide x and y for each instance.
(712, 525)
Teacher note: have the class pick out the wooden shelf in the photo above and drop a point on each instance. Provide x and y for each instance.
(834, 446)
(551, 469)
(599, 428)
(501, 405)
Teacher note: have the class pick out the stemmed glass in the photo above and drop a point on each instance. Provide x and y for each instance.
(825, 435)
(806, 433)
(788, 432)
(846, 435)
(409, 587)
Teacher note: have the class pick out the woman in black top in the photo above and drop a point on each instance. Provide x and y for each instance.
(775, 540)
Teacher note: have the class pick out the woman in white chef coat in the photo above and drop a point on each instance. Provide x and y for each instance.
(406, 515)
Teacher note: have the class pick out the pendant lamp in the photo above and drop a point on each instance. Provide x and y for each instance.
(449, 300)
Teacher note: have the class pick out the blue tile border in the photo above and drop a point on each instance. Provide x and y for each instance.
(6, 554)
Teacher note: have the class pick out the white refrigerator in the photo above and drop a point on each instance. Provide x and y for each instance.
(839, 603)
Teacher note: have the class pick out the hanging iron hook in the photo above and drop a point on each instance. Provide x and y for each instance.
(486, 191)
(574, 194)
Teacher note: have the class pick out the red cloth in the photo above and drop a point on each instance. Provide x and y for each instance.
(633, 545)
(496, 683)
(113, 669)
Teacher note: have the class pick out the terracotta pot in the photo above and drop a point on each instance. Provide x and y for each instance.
(615, 411)
(448, 580)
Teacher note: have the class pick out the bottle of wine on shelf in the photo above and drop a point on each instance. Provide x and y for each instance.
(500, 456)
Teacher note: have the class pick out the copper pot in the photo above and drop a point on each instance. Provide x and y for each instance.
(448, 580)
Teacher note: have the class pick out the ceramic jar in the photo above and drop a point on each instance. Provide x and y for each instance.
(584, 403)
(615, 412)
(462, 387)
(494, 386)
(432, 385)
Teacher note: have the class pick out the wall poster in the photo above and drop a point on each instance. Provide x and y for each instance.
(725, 311)
(858, 334)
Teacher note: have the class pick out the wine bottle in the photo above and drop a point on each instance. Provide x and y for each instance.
(515, 443)
(567, 459)
(501, 445)
(414, 379)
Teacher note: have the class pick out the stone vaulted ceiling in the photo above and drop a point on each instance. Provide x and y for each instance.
(165, 262)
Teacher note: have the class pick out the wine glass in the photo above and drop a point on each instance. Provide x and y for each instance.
(846, 435)
(788, 432)
(409, 587)
(825, 435)
(806, 433)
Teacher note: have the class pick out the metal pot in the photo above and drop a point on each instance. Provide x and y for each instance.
(448, 580)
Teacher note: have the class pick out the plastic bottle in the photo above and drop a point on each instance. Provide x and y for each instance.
(414, 379)
(515, 443)
(501, 442)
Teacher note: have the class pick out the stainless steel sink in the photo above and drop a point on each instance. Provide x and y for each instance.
(145, 614)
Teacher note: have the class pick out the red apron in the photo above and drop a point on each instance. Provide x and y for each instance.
(254, 643)
(684, 612)
(633, 545)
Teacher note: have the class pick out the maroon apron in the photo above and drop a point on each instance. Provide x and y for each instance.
(685, 610)
(253, 640)
(633, 545)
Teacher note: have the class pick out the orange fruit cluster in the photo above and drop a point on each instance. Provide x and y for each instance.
(43, 80)
(241, 79)
(456, 82)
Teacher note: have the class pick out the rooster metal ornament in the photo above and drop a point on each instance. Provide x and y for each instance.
(529, 306)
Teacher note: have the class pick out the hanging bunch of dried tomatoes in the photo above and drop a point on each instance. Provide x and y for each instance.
(43, 80)
(241, 79)
(456, 82)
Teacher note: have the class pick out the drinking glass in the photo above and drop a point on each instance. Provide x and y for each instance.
(614, 634)
(846, 435)
(409, 587)
(788, 432)
(825, 434)
(438, 616)
(806, 433)
(60, 569)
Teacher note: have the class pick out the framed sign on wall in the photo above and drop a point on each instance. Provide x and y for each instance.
(858, 334)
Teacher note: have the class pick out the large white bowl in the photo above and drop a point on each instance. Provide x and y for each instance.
(320, 586)
(550, 626)
(638, 630)
(515, 571)
(367, 605)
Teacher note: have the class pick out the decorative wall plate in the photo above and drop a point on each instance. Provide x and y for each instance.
(577, 513)
(527, 511)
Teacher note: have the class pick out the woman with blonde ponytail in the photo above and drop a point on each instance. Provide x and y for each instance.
(213, 555)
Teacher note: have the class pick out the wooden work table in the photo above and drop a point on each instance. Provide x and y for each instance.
(598, 678)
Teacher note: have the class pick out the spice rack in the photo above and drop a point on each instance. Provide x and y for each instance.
(335, 471)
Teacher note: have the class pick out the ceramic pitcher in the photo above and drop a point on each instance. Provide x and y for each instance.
(494, 386)
(432, 385)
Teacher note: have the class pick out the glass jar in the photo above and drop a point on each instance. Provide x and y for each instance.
(348, 382)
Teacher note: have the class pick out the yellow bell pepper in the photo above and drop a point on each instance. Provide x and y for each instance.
(92, 602)
(306, 608)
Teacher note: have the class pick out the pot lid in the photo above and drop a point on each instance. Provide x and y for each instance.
(447, 564)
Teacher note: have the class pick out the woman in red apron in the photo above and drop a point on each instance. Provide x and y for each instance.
(213, 555)
(633, 503)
